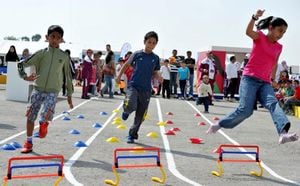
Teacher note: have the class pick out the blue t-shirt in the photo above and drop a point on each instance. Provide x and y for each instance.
(183, 73)
(144, 65)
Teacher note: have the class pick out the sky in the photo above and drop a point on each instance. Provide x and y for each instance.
(181, 24)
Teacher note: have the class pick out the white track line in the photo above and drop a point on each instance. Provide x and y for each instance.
(37, 125)
(273, 173)
(169, 155)
(67, 167)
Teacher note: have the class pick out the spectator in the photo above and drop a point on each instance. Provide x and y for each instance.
(109, 71)
(72, 72)
(86, 73)
(25, 54)
(165, 72)
(11, 55)
(232, 78)
(293, 100)
(190, 63)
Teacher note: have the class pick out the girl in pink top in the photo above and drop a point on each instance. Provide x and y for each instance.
(257, 77)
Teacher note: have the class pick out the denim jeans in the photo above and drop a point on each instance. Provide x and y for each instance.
(108, 85)
(250, 88)
(191, 82)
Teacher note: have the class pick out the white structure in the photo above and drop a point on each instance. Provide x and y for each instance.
(17, 89)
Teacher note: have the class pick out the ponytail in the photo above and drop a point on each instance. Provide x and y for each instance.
(273, 21)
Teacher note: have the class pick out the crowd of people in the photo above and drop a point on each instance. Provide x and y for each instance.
(177, 73)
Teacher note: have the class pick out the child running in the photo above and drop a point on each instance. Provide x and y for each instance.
(146, 65)
(257, 77)
(51, 64)
(204, 91)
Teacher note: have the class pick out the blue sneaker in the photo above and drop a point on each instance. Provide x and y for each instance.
(125, 116)
(130, 139)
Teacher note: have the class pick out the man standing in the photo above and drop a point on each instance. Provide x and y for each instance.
(174, 65)
(190, 63)
(232, 78)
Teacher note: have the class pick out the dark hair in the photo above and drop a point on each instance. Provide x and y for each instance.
(166, 61)
(55, 28)
(232, 58)
(273, 21)
(189, 52)
(296, 81)
(12, 46)
(68, 51)
(109, 57)
(151, 34)
(12, 56)
(127, 54)
(99, 53)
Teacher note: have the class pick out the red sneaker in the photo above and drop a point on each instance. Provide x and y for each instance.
(43, 129)
(27, 148)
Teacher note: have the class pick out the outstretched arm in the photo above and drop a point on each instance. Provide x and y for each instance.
(249, 31)
(123, 69)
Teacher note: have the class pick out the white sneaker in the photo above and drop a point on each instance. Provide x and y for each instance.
(285, 138)
(213, 128)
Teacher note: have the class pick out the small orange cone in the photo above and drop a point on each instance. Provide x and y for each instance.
(113, 140)
(169, 122)
(121, 126)
(196, 140)
(197, 115)
(175, 129)
(116, 111)
(202, 123)
(116, 122)
(152, 135)
(170, 132)
(117, 119)
(161, 123)
(216, 118)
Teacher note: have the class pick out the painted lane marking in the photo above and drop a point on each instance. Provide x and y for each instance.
(67, 166)
(37, 125)
(268, 169)
(169, 155)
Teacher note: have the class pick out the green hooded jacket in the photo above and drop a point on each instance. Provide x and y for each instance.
(49, 64)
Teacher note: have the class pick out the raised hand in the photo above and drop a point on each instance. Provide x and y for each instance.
(259, 13)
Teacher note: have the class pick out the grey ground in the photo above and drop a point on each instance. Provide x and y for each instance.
(194, 161)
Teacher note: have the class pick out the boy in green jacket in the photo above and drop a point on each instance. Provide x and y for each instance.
(49, 64)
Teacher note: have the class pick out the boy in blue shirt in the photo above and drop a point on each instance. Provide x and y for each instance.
(146, 65)
(183, 77)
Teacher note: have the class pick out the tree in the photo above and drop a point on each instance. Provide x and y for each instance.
(36, 37)
(25, 38)
(10, 38)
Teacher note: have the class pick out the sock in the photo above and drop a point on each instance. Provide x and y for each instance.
(213, 128)
(29, 139)
(286, 137)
